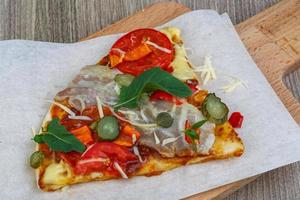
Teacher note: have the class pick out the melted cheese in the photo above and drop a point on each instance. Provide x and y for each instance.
(57, 174)
(180, 64)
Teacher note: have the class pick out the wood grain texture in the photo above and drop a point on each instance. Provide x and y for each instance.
(70, 20)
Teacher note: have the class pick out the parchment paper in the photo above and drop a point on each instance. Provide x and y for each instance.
(32, 72)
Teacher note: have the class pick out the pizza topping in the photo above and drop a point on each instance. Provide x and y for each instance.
(164, 119)
(133, 123)
(36, 159)
(118, 167)
(149, 81)
(234, 84)
(157, 141)
(124, 79)
(137, 153)
(214, 109)
(236, 119)
(108, 128)
(99, 105)
(192, 133)
(158, 47)
(59, 139)
(161, 95)
(83, 134)
(207, 72)
(65, 108)
(169, 140)
(80, 117)
(198, 98)
(137, 53)
(128, 136)
(144, 49)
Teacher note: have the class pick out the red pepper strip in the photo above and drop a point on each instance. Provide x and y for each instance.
(192, 84)
(126, 134)
(169, 69)
(187, 126)
(161, 95)
(236, 120)
(137, 53)
(83, 134)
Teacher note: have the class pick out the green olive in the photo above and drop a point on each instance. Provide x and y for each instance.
(36, 159)
(108, 128)
(124, 79)
(164, 119)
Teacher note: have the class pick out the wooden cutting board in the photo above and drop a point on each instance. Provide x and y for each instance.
(272, 38)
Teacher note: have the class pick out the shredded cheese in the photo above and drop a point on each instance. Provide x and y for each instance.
(117, 89)
(128, 112)
(80, 117)
(118, 167)
(133, 123)
(207, 72)
(169, 140)
(158, 47)
(157, 141)
(99, 105)
(33, 131)
(87, 149)
(65, 108)
(118, 50)
(144, 116)
(137, 153)
(82, 104)
(133, 138)
(93, 160)
(234, 84)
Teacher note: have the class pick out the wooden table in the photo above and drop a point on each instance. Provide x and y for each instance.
(70, 20)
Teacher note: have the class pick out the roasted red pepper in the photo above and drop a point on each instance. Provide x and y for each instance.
(236, 120)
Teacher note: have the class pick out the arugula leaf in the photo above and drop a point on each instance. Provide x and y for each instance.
(199, 124)
(191, 133)
(39, 138)
(59, 139)
(149, 81)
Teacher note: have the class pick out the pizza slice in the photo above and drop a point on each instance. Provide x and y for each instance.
(139, 111)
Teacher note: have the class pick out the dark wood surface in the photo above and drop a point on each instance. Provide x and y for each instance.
(71, 20)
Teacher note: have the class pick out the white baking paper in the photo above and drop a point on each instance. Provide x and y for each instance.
(32, 72)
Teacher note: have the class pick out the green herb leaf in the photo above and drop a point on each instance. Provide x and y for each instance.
(192, 134)
(149, 81)
(59, 139)
(199, 124)
(39, 139)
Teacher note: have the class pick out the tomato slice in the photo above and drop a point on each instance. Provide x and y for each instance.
(133, 40)
(101, 156)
